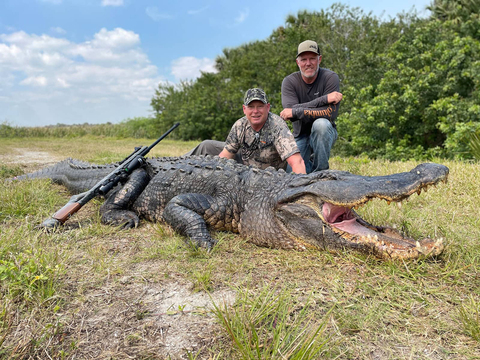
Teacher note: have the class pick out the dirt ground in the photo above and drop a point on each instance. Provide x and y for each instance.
(129, 317)
(28, 158)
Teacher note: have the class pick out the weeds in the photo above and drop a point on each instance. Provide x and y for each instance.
(26, 271)
(10, 171)
(470, 318)
(16, 199)
(5, 319)
(202, 279)
(272, 325)
(27, 277)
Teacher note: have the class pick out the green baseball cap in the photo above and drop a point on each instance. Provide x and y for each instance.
(308, 45)
(255, 94)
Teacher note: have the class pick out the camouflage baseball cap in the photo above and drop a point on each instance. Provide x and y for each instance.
(255, 94)
(308, 45)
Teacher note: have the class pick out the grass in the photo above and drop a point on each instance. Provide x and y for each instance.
(92, 149)
(266, 324)
(93, 291)
(470, 317)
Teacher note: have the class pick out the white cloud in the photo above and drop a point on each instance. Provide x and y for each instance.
(242, 16)
(62, 83)
(156, 15)
(118, 38)
(58, 30)
(189, 67)
(34, 42)
(45, 76)
(197, 11)
(35, 81)
(112, 2)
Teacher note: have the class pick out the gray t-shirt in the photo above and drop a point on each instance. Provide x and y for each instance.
(309, 101)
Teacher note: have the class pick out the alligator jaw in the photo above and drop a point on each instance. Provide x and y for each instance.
(384, 242)
(332, 195)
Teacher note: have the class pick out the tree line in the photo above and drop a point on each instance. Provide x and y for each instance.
(410, 84)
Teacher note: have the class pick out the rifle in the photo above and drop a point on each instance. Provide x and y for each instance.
(132, 162)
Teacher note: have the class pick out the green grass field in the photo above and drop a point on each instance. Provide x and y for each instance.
(93, 291)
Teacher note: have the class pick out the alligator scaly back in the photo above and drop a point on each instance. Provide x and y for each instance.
(269, 208)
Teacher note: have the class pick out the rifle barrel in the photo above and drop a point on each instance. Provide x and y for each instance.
(161, 137)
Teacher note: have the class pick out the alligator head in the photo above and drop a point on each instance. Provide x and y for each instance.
(331, 196)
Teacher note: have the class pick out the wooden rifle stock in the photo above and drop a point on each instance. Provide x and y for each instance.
(68, 210)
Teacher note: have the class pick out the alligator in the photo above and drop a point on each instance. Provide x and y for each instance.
(267, 207)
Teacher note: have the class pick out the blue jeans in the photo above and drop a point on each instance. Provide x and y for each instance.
(211, 147)
(319, 143)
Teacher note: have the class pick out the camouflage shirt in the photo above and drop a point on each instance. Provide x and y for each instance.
(271, 146)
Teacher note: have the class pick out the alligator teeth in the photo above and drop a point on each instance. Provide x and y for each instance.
(399, 204)
(418, 244)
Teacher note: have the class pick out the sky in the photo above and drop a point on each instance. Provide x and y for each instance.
(98, 61)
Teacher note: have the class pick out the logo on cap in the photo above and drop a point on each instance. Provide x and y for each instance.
(308, 45)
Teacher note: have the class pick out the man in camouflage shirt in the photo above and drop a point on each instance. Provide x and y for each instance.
(260, 138)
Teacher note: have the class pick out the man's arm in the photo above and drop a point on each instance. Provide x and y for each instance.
(289, 95)
(331, 98)
(226, 154)
(296, 163)
(307, 115)
(325, 106)
(286, 146)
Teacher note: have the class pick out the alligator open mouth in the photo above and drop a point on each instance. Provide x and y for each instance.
(384, 242)
(342, 218)
(332, 197)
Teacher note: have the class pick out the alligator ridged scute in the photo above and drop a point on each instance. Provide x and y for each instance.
(270, 208)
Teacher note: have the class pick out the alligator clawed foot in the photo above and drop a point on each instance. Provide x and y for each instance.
(210, 245)
(196, 244)
(125, 219)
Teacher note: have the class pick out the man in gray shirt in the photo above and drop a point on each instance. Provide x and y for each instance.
(311, 98)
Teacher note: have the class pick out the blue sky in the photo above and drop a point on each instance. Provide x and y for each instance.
(97, 61)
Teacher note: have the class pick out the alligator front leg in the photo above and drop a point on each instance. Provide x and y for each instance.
(189, 215)
(116, 209)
